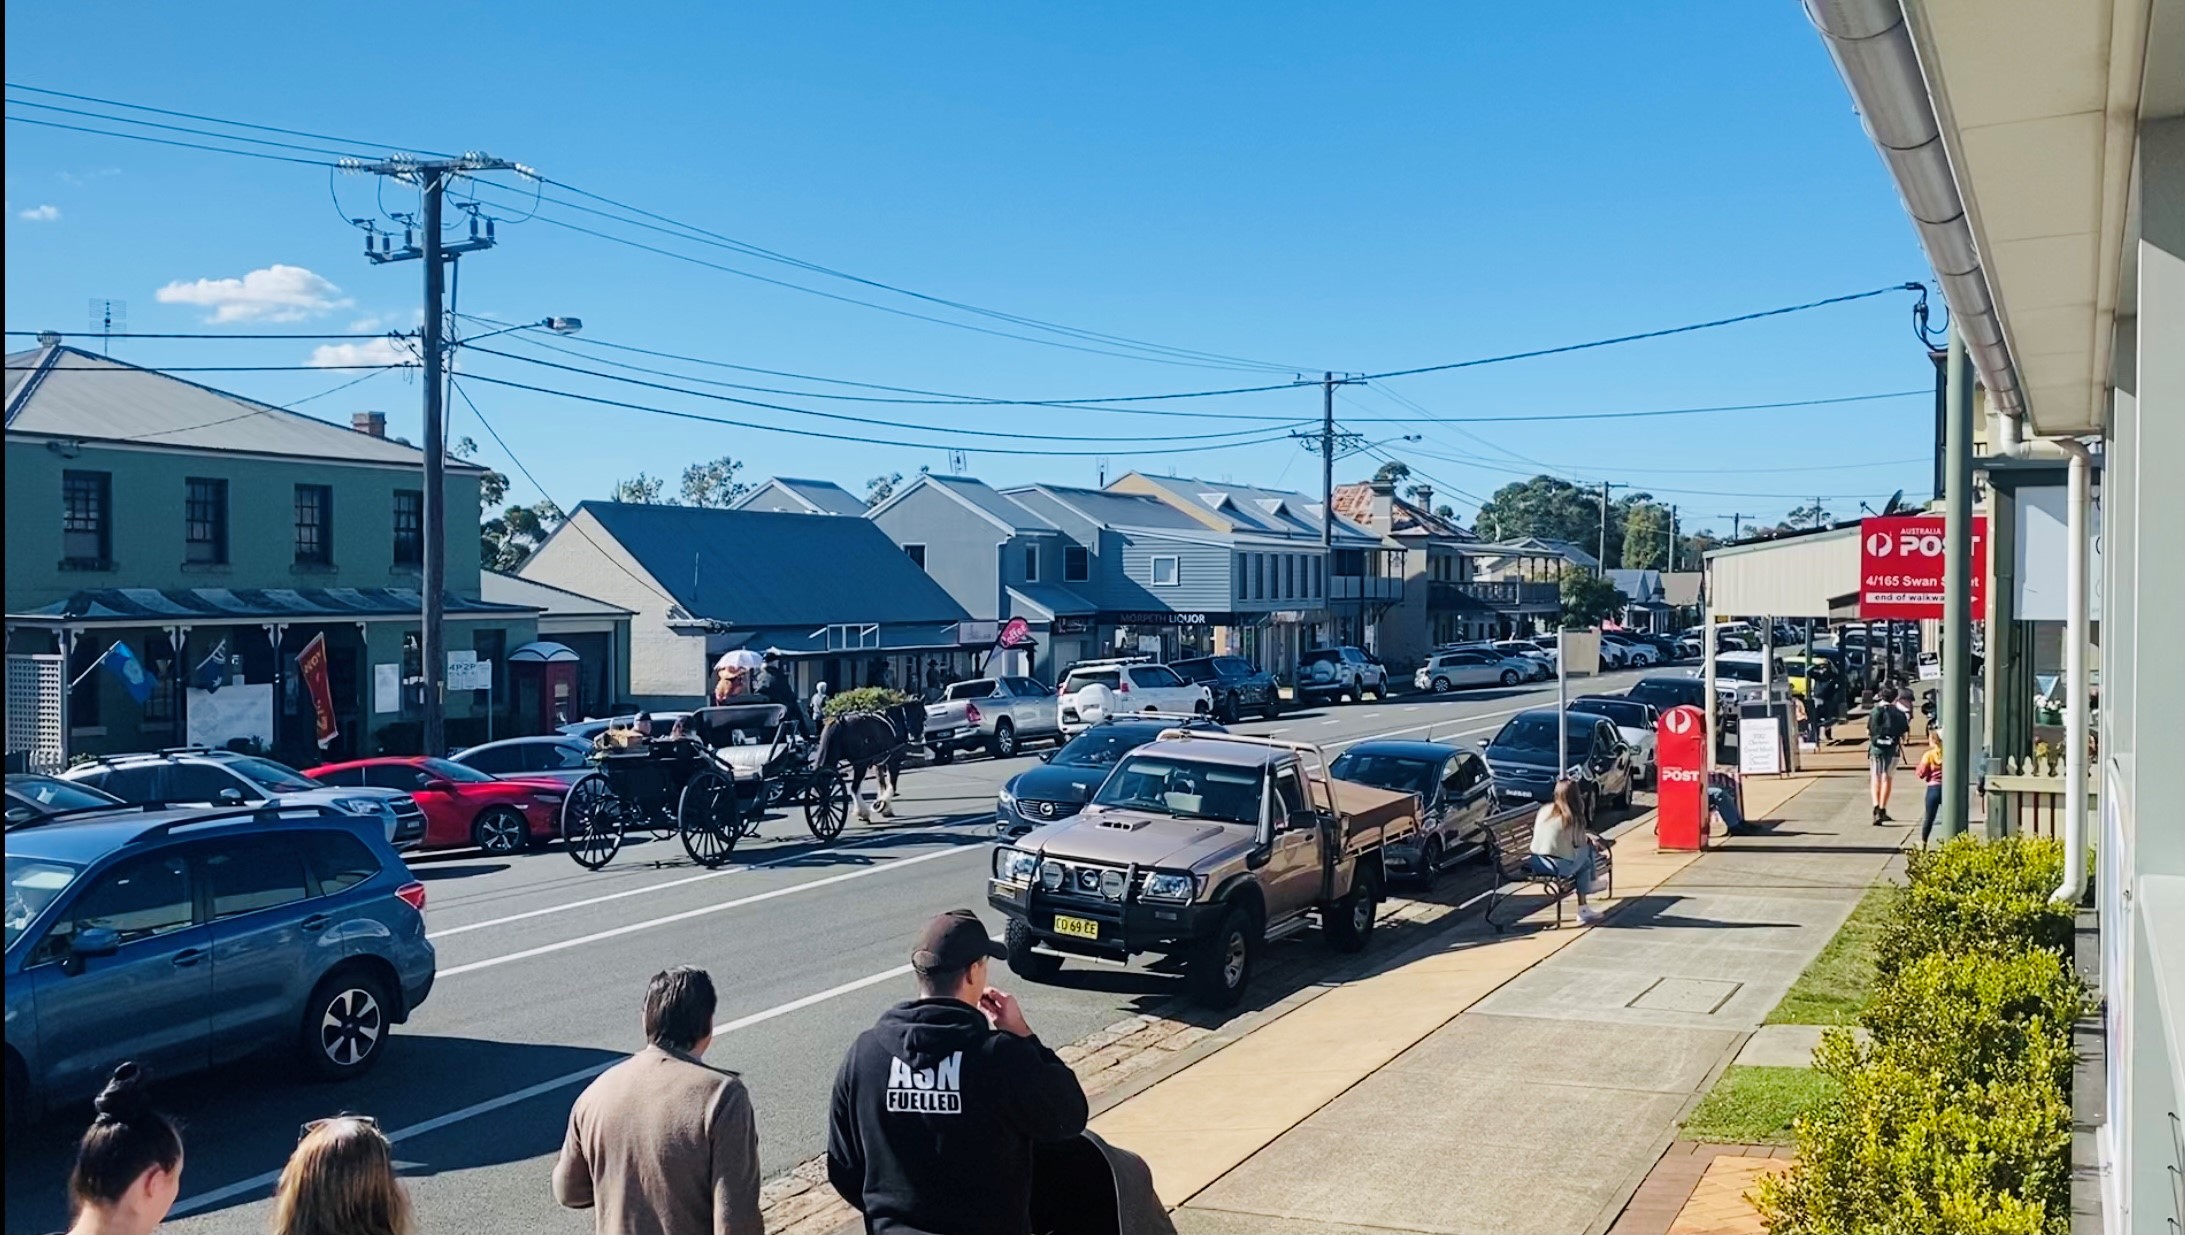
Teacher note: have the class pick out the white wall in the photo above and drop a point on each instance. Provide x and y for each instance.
(665, 667)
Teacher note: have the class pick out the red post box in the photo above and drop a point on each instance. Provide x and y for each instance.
(1680, 753)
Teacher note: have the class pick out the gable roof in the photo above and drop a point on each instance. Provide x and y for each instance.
(814, 497)
(1407, 518)
(1636, 584)
(550, 601)
(1251, 510)
(753, 568)
(983, 499)
(1111, 509)
(1536, 546)
(67, 392)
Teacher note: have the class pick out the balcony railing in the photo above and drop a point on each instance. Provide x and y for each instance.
(1507, 596)
(1365, 587)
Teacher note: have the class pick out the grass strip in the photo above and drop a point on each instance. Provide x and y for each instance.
(1835, 986)
(1757, 1105)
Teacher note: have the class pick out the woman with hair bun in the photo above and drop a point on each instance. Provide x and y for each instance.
(128, 1165)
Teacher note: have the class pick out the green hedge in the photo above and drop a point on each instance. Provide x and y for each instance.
(1956, 1117)
(864, 699)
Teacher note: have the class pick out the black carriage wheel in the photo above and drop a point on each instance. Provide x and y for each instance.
(707, 817)
(591, 822)
(827, 805)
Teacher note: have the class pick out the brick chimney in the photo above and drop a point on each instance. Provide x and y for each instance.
(372, 423)
(1384, 504)
(1424, 498)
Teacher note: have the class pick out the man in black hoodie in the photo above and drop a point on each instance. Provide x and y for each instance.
(937, 1107)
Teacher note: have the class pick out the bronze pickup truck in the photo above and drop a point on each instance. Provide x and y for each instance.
(1204, 846)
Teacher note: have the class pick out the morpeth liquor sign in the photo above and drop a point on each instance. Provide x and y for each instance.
(1177, 617)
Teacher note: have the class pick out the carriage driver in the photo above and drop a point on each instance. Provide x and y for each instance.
(639, 733)
(775, 687)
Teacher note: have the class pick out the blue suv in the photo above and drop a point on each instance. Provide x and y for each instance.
(184, 938)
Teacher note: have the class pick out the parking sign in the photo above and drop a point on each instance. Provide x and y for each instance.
(1901, 566)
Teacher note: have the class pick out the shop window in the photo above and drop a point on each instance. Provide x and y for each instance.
(205, 521)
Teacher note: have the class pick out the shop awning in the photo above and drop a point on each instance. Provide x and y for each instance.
(876, 639)
(209, 606)
(1047, 601)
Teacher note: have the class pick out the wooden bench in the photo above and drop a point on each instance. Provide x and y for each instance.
(1509, 841)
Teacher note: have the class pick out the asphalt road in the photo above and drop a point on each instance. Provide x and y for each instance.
(542, 965)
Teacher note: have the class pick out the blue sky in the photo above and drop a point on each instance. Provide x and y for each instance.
(1359, 187)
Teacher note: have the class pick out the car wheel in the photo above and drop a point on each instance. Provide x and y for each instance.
(1227, 713)
(1221, 964)
(1273, 709)
(1023, 961)
(1430, 860)
(345, 1024)
(1509, 677)
(1441, 686)
(942, 754)
(1349, 922)
(501, 831)
(1623, 800)
(1005, 739)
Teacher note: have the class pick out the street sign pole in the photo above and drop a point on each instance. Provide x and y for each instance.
(1957, 681)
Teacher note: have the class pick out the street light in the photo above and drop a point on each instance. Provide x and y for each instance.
(559, 325)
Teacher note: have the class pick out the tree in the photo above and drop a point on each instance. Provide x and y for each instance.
(1813, 515)
(880, 488)
(1555, 509)
(642, 489)
(1587, 597)
(1646, 537)
(1445, 511)
(713, 483)
(1395, 471)
(509, 539)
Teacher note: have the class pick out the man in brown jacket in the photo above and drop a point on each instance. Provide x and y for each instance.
(661, 1144)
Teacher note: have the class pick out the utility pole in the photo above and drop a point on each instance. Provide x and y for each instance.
(1605, 487)
(1328, 442)
(431, 177)
(1672, 539)
(1737, 525)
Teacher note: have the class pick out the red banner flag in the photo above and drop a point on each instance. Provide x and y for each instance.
(311, 662)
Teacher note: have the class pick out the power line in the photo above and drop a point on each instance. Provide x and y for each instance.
(863, 420)
(1540, 417)
(236, 124)
(846, 437)
(183, 128)
(1649, 334)
(168, 141)
(209, 335)
(125, 367)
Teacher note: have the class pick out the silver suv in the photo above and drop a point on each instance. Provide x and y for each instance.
(1341, 673)
(194, 774)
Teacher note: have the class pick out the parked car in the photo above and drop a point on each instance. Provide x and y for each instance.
(1523, 757)
(1543, 658)
(563, 758)
(1239, 686)
(1000, 714)
(184, 938)
(1637, 653)
(1663, 644)
(1456, 798)
(1067, 778)
(1093, 690)
(1446, 671)
(33, 797)
(1201, 847)
(592, 728)
(1340, 673)
(462, 805)
(1635, 723)
(194, 775)
(1664, 691)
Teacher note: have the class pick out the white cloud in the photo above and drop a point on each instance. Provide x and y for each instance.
(369, 352)
(275, 294)
(41, 214)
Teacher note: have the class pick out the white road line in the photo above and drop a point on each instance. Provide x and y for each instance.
(891, 837)
(703, 910)
(1412, 707)
(528, 1092)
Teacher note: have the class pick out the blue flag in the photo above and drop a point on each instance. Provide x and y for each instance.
(211, 671)
(123, 663)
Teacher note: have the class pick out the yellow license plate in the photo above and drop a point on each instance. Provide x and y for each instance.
(1081, 928)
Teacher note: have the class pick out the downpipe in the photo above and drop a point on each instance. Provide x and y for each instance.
(2076, 709)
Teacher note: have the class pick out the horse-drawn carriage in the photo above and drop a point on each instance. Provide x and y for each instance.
(710, 785)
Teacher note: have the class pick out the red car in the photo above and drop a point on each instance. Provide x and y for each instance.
(462, 806)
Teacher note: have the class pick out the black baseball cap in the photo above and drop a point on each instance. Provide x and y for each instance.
(952, 941)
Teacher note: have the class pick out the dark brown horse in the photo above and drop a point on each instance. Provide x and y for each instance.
(872, 740)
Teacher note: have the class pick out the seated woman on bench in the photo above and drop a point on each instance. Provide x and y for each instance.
(1564, 848)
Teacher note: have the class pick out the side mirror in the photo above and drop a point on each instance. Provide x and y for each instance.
(231, 797)
(1047, 756)
(94, 941)
(1302, 821)
(20, 814)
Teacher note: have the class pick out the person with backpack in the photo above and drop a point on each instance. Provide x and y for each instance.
(1886, 724)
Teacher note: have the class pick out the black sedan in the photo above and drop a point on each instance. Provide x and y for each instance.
(1238, 686)
(1523, 757)
(1455, 790)
(1067, 778)
(32, 797)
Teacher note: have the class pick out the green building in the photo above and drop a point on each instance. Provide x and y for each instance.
(216, 537)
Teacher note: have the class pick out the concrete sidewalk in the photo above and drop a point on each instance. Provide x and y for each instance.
(1523, 1082)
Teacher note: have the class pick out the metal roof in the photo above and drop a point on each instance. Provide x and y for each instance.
(1250, 509)
(819, 497)
(753, 568)
(550, 601)
(145, 606)
(1054, 599)
(67, 392)
(1119, 510)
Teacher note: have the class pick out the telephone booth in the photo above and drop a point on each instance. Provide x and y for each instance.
(542, 684)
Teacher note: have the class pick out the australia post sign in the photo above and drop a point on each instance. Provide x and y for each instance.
(1900, 566)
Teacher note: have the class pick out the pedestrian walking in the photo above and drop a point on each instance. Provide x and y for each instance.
(937, 1107)
(128, 1164)
(819, 704)
(1563, 847)
(662, 1144)
(341, 1181)
(1930, 771)
(1886, 725)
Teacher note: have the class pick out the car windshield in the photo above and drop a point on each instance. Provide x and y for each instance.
(1196, 670)
(1741, 670)
(270, 776)
(447, 770)
(1663, 694)
(978, 688)
(1402, 774)
(1184, 788)
(1079, 679)
(1233, 666)
(52, 793)
(33, 883)
(1627, 714)
(1102, 745)
(1534, 732)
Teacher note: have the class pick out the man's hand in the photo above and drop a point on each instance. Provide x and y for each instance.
(1003, 1013)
